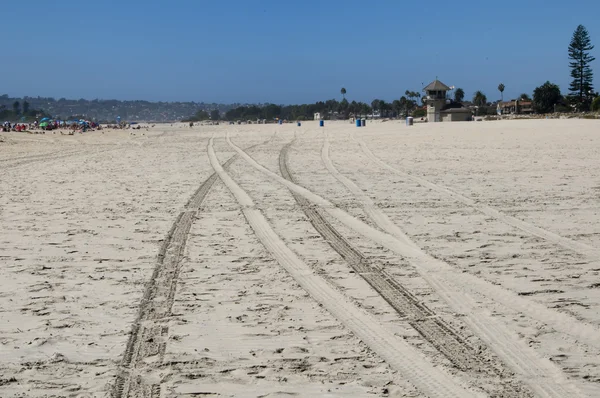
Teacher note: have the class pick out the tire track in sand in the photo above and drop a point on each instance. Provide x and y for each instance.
(36, 156)
(146, 346)
(590, 252)
(516, 349)
(541, 375)
(394, 350)
(24, 160)
(433, 329)
(52, 156)
(466, 282)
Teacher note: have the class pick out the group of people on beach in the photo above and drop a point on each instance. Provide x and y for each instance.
(8, 126)
(29, 127)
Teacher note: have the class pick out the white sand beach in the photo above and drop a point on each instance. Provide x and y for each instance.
(437, 260)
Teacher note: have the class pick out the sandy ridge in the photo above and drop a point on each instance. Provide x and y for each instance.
(395, 351)
(370, 208)
(463, 281)
(25, 160)
(423, 319)
(543, 376)
(150, 330)
(578, 247)
(522, 359)
(561, 322)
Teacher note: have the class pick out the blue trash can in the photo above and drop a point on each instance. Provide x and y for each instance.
(281, 122)
(358, 123)
(321, 123)
(299, 124)
(363, 122)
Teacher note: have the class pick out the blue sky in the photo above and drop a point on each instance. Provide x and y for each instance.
(286, 52)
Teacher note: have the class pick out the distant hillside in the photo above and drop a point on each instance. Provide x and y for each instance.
(108, 110)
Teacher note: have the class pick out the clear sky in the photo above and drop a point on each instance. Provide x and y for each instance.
(283, 51)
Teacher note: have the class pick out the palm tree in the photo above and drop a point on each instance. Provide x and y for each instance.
(413, 95)
(365, 109)
(501, 89)
(343, 91)
(525, 97)
(479, 98)
(375, 105)
(354, 108)
(405, 105)
(396, 107)
(459, 95)
(383, 106)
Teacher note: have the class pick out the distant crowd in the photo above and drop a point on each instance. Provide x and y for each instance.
(7, 126)
(81, 126)
(47, 126)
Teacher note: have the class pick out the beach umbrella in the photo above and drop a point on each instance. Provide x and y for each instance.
(45, 119)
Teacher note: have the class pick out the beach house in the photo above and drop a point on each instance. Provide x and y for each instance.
(516, 107)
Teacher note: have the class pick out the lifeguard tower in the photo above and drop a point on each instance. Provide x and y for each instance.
(436, 100)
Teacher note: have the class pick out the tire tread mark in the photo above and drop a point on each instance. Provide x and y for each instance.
(581, 248)
(25, 160)
(540, 374)
(149, 331)
(403, 357)
(437, 332)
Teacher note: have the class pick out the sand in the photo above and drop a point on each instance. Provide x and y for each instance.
(435, 260)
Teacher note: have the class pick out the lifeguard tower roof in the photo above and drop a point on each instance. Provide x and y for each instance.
(436, 85)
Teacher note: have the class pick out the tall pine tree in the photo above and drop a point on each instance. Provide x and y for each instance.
(581, 86)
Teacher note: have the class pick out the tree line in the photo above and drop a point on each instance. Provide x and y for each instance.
(108, 110)
(548, 98)
(408, 104)
(21, 112)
